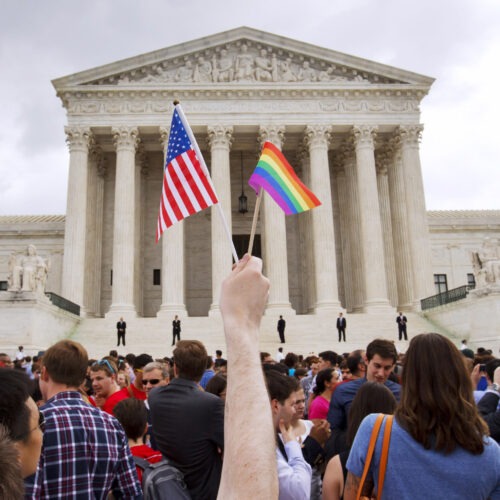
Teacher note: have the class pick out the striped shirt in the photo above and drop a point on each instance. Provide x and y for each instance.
(85, 454)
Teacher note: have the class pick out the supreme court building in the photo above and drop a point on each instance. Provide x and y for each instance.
(350, 128)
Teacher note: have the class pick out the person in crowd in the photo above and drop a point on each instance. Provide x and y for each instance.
(380, 359)
(439, 445)
(5, 361)
(371, 398)
(328, 359)
(85, 453)
(208, 373)
(344, 369)
(266, 358)
(20, 355)
(356, 364)
(217, 385)
(322, 394)
(487, 371)
(219, 360)
(122, 379)
(136, 389)
(107, 392)
(221, 368)
(188, 423)
(307, 383)
(488, 406)
(291, 360)
(132, 415)
(22, 421)
(11, 479)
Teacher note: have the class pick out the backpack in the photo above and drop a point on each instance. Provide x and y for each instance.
(162, 481)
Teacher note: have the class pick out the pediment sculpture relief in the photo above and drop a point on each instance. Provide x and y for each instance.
(243, 63)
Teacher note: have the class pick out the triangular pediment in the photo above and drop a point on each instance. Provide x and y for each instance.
(242, 56)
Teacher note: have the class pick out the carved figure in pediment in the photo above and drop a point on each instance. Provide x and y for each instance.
(306, 73)
(203, 71)
(28, 273)
(264, 67)
(244, 65)
(185, 73)
(325, 75)
(159, 74)
(224, 72)
(287, 75)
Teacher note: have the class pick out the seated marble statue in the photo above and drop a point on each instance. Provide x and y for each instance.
(28, 273)
(486, 263)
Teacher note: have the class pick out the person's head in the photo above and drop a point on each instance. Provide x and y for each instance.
(64, 363)
(300, 373)
(437, 406)
(11, 478)
(210, 362)
(31, 250)
(155, 374)
(122, 379)
(370, 398)
(291, 360)
(356, 363)
(340, 315)
(113, 354)
(327, 359)
(21, 348)
(300, 404)
(381, 356)
(281, 389)
(139, 363)
(325, 380)
(21, 418)
(344, 369)
(133, 416)
(5, 361)
(217, 385)
(314, 364)
(266, 358)
(491, 366)
(190, 359)
(280, 349)
(103, 376)
(218, 354)
(221, 368)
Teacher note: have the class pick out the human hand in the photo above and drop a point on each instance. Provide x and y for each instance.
(244, 294)
(475, 375)
(320, 430)
(286, 431)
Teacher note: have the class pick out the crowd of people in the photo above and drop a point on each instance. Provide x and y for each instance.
(252, 426)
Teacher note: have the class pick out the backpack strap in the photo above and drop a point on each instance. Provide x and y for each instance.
(141, 462)
(384, 455)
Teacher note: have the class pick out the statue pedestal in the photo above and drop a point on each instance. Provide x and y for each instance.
(31, 320)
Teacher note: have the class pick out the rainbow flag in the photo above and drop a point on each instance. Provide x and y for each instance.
(276, 176)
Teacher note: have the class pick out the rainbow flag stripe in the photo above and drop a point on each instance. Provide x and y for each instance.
(276, 176)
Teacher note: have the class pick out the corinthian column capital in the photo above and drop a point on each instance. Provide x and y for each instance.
(164, 135)
(317, 136)
(364, 136)
(79, 138)
(410, 135)
(220, 136)
(272, 133)
(125, 138)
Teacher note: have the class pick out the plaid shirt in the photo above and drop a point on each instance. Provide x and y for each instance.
(85, 454)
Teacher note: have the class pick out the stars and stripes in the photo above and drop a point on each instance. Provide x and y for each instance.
(187, 189)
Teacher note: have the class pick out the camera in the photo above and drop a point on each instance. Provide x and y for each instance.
(482, 367)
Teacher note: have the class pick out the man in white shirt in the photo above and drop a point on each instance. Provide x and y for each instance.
(279, 355)
(294, 473)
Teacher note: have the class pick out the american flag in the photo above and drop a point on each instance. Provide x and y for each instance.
(187, 189)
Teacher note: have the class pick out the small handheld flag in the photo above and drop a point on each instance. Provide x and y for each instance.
(276, 176)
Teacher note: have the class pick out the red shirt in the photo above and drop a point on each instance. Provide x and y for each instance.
(114, 399)
(144, 451)
(137, 394)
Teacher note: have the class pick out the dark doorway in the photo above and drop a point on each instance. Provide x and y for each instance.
(241, 244)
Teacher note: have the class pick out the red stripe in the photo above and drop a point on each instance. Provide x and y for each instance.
(203, 178)
(171, 200)
(178, 184)
(194, 181)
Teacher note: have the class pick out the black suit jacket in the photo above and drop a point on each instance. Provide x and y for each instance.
(188, 425)
(341, 323)
(487, 407)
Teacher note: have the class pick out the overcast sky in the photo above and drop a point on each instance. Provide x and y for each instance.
(455, 41)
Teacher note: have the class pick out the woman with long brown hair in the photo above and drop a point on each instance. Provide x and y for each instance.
(439, 446)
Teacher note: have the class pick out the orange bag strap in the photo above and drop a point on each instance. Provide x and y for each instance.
(369, 453)
(384, 455)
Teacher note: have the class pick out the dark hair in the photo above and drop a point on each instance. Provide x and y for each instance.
(15, 389)
(353, 360)
(263, 356)
(329, 356)
(113, 353)
(218, 352)
(371, 397)
(280, 386)
(291, 359)
(491, 366)
(216, 385)
(133, 416)
(384, 348)
(300, 372)
(141, 361)
(190, 359)
(210, 362)
(440, 415)
(322, 377)
(66, 363)
(11, 481)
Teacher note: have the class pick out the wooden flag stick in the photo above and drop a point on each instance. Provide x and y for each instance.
(205, 169)
(254, 221)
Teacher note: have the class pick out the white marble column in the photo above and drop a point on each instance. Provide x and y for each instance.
(173, 264)
(219, 139)
(141, 172)
(317, 138)
(353, 224)
(417, 214)
(371, 227)
(400, 236)
(274, 248)
(382, 160)
(75, 232)
(122, 298)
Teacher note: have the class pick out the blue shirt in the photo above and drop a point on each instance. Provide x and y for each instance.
(414, 472)
(85, 453)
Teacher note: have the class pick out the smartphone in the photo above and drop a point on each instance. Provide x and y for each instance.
(482, 367)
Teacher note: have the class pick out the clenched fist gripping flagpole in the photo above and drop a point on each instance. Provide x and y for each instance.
(187, 187)
(276, 176)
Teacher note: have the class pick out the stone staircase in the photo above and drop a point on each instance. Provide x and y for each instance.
(304, 334)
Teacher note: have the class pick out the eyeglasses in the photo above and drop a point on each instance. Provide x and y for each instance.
(105, 362)
(152, 381)
(41, 426)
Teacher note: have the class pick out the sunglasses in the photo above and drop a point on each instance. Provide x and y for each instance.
(41, 426)
(105, 362)
(152, 381)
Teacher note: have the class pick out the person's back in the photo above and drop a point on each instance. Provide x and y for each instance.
(188, 423)
(438, 446)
